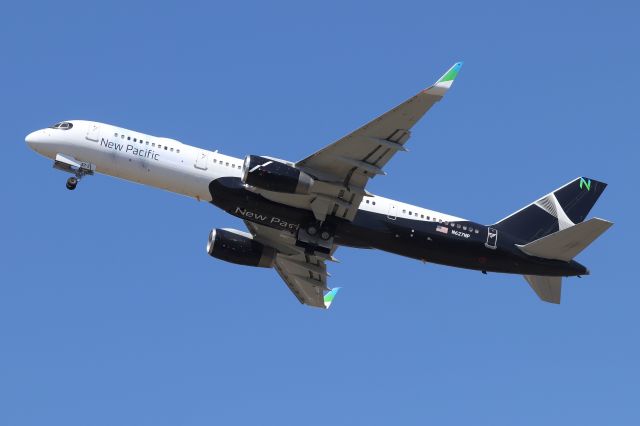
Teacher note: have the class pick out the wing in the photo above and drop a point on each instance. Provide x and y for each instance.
(361, 155)
(305, 275)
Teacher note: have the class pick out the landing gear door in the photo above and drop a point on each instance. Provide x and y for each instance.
(492, 238)
(201, 161)
(93, 132)
(392, 214)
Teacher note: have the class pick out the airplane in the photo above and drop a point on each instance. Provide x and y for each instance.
(299, 213)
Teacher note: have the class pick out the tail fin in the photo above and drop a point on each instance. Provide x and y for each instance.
(568, 243)
(555, 211)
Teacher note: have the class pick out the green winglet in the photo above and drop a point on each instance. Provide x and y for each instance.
(451, 74)
(328, 298)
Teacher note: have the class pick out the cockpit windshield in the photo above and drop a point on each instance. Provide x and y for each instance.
(63, 125)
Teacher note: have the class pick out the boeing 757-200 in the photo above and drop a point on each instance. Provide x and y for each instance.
(299, 213)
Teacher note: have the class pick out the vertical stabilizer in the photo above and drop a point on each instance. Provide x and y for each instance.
(554, 212)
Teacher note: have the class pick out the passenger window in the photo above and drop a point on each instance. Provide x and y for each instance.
(115, 134)
(165, 147)
(178, 151)
(135, 140)
(464, 228)
(373, 202)
(122, 136)
(227, 164)
(153, 145)
(171, 149)
(128, 138)
(147, 142)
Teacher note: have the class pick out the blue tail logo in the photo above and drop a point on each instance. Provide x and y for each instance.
(586, 183)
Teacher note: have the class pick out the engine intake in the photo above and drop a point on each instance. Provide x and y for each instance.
(274, 175)
(239, 247)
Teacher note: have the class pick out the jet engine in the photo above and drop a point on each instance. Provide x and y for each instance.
(239, 247)
(274, 175)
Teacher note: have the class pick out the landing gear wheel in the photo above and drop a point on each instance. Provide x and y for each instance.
(72, 182)
(312, 230)
(325, 235)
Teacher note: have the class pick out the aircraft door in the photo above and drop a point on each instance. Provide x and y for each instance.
(492, 238)
(93, 132)
(392, 214)
(201, 160)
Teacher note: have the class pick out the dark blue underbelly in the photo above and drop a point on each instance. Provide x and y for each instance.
(406, 237)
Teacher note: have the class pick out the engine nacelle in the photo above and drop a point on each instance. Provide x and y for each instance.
(274, 175)
(239, 247)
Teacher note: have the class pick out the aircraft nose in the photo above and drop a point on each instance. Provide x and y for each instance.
(34, 139)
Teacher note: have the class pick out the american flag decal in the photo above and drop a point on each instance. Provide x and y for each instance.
(442, 229)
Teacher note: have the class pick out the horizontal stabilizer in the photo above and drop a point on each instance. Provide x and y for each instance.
(566, 244)
(547, 288)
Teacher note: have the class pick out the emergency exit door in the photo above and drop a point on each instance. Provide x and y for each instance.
(201, 161)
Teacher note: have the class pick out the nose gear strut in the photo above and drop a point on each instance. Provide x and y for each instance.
(77, 168)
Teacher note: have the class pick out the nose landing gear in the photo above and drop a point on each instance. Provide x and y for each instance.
(72, 182)
(77, 168)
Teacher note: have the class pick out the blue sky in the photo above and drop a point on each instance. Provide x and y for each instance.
(112, 313)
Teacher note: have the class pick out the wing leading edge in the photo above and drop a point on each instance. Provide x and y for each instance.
(363, 153)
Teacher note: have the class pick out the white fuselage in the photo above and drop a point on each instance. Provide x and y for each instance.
(169, 164)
